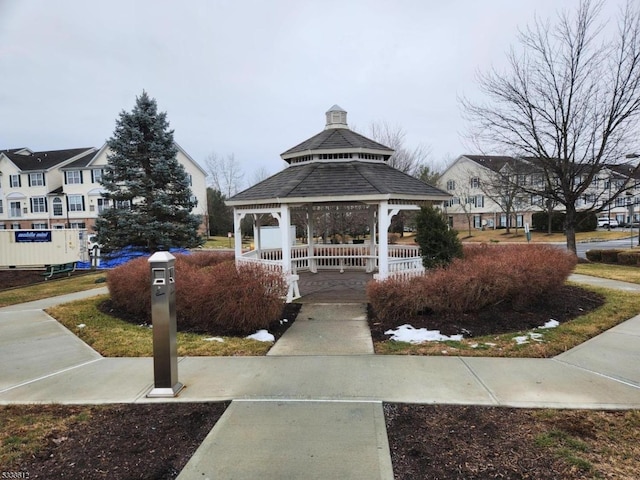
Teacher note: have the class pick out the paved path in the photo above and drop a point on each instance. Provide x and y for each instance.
(313, 416)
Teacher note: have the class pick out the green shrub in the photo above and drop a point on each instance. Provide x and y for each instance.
(212, 295)
(594, 255)
(629, 258)
(487, 274)
(439, 243)
(610, 255)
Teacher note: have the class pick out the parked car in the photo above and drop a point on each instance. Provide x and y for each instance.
(607, 222)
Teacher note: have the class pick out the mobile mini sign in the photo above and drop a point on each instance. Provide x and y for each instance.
(31, 236)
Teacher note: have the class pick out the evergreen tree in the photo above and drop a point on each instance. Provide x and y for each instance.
(439, 243)
(146, 185)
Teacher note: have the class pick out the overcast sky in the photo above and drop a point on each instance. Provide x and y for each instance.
(252, 78)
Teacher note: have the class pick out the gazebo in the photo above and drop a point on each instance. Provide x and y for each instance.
(336, 172)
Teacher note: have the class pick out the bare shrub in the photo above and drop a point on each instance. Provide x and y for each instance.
(212, 295)
(488, 274)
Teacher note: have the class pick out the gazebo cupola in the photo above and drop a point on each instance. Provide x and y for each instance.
(336, 171)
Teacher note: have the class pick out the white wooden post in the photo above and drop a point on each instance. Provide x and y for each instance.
(257, 223)
(237, 221)
(371, 261)
(292, 278)
(383, 240)
(310, 235)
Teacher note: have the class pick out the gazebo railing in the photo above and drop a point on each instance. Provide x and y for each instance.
(404, 260)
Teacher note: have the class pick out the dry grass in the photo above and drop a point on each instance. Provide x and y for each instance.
(613, 272)
(112, 337)
(51, 288)
(600, 444)
(619, 307)
(23, 428)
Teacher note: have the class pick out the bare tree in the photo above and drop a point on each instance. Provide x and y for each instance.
(225, 174)
(258, 175)
(570, 100)
(505, 188)
(404, 158)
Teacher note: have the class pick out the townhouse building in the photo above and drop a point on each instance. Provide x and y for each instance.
(479, 196)
(61, 188)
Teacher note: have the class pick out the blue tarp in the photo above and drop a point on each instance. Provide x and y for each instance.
(115, 259)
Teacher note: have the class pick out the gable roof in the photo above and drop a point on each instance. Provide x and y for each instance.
(355, 180)
(38, 161)
(492, 162)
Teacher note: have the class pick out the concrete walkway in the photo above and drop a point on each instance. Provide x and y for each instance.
(301, 415)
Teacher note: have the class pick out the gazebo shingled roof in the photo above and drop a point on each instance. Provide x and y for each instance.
(336, 179)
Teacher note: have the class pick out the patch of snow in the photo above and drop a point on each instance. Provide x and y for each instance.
(214, 339)
(409, 334)
(82, 325)
(551, 324)
(284, 320)
(522, 339)
(474, 345)
(262, 336)
(490, 344)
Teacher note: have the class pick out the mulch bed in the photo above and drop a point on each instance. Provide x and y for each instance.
(151, 441)
(564, 304)
(20, 278)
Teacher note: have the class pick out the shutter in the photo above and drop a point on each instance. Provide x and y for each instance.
(44, 179)
(83, 195)
(29, 177)
(81, 183)
(46, 206)
(31, 204)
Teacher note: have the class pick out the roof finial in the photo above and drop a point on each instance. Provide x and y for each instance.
(336, 118)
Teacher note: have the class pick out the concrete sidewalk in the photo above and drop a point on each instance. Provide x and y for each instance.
(318, 415)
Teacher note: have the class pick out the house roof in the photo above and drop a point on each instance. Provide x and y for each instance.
(329, 180)
(38, 161)
(83, 161)
(337, 139)
(492, 162)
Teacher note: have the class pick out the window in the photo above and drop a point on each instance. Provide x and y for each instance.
(14, 181)
(1, 207)
(36, 179)
(3, 226)
(519, 221)
(521, 180)
(451, 184)
(38, 205)
(103, 204)
(15, 209)
(75, 203)
(57, 207)
(503, 220)
(621, 202)
(475, 182)
(15, 226)
(477, 221)
(454, 201)
(479, 201)
(73, 177)
(78, 225)
(123, 204)
(96, 175)
(39, 226)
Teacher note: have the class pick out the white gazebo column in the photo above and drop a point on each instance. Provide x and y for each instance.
(383, 240)
(257, 241)
(237, 232)
(310, 234)
(371, 261)
(291, 277)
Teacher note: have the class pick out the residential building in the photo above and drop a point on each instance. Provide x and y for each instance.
(481, 197)
(61, 188)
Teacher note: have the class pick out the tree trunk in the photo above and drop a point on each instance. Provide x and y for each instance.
(570, 226)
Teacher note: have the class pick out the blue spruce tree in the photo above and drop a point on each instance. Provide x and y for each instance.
(146, 185)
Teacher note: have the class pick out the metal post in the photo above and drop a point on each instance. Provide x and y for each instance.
(163, 315)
